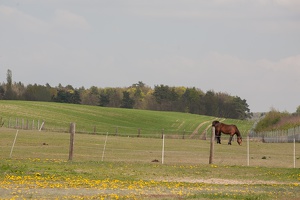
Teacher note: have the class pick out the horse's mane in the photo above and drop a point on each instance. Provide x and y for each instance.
(237, 132)
(214, 123)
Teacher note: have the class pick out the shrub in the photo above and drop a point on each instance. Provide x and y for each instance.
(275, 120)
(270, 121)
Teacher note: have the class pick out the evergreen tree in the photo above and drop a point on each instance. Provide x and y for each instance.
(9, 93)
(104, 99)
(127, 102)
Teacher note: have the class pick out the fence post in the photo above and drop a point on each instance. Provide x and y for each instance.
(72, 135)
(294, 152)
(212, 143)
(139, 132)
(163, 149)
(13, 144)
(1, 122)
(248, 150)
(104, 146)
(42, 125)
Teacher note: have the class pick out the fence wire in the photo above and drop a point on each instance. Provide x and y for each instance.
(278, 136)
(41, 145)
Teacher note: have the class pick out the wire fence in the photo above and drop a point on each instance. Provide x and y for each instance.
(278, 136)
(128, 144)
(275, 136)
(41, 145)
(202, 132)
(25, 124)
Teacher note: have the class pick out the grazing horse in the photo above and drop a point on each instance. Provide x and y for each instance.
(226, 129)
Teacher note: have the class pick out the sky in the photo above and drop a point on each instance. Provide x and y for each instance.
(246, 48)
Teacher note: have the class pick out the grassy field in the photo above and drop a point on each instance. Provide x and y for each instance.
(58, 116)
(120, 166)
(39, 168)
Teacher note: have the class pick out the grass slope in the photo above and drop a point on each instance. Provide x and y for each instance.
(57, 116)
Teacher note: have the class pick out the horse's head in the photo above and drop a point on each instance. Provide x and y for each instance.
(214, 123)
(239, 140)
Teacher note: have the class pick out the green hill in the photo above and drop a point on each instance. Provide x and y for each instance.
(100, 120)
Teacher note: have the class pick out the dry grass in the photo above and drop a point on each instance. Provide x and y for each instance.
(54, 145)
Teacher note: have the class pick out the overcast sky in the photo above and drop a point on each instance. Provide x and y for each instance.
(246, 48)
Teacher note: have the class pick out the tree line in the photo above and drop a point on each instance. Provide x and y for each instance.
(137, 96)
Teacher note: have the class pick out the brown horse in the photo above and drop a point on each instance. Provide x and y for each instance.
(226, 129)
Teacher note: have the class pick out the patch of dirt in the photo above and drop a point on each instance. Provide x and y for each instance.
(222, 181)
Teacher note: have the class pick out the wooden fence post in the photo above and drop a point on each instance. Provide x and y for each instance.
(212, 143)
(139, 132)
(72, 135)
(116, 131)
(1, 122)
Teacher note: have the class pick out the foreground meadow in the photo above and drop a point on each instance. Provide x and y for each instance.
(38, 168)
(57, 179)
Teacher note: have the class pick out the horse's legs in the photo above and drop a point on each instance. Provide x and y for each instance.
(218, 139)
(229, 142)
(218, 136)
